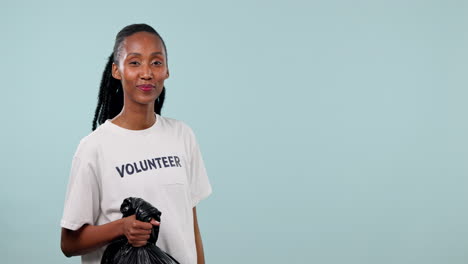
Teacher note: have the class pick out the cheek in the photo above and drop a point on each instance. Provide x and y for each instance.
(161, 75)
(129, 75)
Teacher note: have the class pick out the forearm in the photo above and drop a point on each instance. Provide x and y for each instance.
(199, 245)
(89, 237)
(198, 240)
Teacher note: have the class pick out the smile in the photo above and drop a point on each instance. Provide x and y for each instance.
(146, 87)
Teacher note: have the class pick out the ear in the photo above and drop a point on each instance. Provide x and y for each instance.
(167, 73)
(116, 72)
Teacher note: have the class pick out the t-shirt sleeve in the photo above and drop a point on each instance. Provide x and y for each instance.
(82, 198)
(200, 187)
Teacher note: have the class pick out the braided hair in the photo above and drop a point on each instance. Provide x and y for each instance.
(110, 98)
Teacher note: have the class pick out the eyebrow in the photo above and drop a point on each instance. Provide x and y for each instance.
(152, 54)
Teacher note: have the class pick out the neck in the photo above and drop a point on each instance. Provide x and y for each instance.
(137, 117)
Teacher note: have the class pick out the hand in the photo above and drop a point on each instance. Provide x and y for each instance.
(137, 232)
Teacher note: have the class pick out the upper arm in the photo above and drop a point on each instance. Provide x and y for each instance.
(194, 211)
(82, 199)
(200, 186)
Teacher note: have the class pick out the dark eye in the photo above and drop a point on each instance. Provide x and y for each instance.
(157, 63)
(134, 63)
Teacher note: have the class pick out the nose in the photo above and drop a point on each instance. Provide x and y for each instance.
(146, 73)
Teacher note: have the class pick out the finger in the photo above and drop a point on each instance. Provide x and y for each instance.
(140, 238)
(140, 232)
(142, 225)
(139, 243)
(154, 222)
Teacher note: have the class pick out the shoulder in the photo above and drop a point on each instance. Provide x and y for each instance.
(175, 125)
(89, 144)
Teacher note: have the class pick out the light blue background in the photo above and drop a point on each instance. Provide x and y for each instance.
(332, 131)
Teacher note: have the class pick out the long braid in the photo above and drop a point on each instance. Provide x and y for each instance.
(115, 96)
(107, 93)
(160, 101)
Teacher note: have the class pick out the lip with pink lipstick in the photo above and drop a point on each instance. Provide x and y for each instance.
(145, 87)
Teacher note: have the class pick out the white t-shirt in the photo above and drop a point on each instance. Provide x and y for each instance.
(161, 164)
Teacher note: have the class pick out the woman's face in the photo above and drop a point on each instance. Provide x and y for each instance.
(142, 68)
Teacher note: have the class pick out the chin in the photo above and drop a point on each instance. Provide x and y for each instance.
(146, 102)
(142, 100)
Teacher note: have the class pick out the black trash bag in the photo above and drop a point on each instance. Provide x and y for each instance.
(120, 251)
